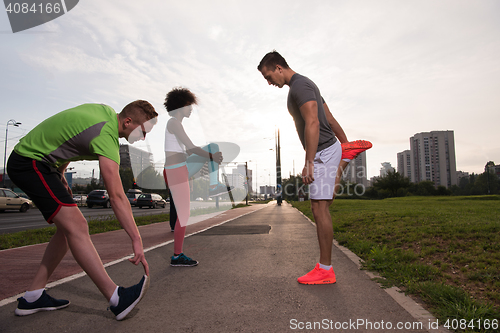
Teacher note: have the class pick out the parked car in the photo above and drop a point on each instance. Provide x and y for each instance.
(80, 198)
(98, 198)
(151, 200)
(23, 195)
(10, 200)
(133, 195)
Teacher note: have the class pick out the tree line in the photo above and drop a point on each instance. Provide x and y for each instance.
(396, 185)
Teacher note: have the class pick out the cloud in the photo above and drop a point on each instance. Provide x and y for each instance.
(387, 69)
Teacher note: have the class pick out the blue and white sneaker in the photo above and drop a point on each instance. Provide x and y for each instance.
(182, 260)
(44, 303)
(129, 297)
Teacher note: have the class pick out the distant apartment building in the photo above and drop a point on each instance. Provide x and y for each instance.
(203, 173)
(138, 160)
(236, 180)
(132, 157)
(269, 190)
(250, 180)
(492, 168)
(242, 170)
(433, 158)
(385, 169)
(404, 163)
(460, 175)
(356, 170)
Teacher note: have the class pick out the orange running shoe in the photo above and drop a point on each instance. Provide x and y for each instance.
(350, 150)
(318, 276)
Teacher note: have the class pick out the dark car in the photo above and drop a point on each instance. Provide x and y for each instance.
(133, 195)
(98, 198)
(151, 200)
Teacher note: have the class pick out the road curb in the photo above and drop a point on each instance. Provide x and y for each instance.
(406, 302)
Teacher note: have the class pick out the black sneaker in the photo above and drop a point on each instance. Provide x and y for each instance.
(129, 297)
(44, 303)
(182, 260)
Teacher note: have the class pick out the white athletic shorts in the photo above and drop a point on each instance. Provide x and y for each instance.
(326, 163)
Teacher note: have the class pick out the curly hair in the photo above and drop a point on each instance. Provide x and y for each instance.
(179, 97)
(270, 61)
(138, 108)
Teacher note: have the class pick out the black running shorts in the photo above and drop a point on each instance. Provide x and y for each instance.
(41, 182)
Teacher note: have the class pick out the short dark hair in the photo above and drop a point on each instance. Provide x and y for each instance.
(139, 108)
(179, 97)
(272, 59)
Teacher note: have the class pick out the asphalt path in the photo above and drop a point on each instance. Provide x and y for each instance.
(245, 282)
(14, 221)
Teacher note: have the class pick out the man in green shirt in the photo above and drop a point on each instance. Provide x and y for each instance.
(37, 164)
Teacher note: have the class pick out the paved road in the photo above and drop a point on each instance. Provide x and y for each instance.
(13, 221)
(245, 282)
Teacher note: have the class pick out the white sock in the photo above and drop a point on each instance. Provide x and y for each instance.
(114, 298)
(33, 295)
(325, 267)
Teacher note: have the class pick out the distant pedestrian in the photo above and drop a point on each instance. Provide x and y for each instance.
(36, 166)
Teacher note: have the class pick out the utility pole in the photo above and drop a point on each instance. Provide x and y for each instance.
(246, 182)
(279, 197)
(16, 124)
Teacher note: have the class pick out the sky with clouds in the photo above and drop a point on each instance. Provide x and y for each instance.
(387, 69)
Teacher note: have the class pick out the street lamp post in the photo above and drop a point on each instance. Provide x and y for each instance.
(256, 179)
(279, 188)
(13, 123)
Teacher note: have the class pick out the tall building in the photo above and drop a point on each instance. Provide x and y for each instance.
(140, 161)
(131, 157)
(236, 180)
(385, 169)
(356, 170)
(433, 158)
(404, 163)
(242, 170)
(269, 190)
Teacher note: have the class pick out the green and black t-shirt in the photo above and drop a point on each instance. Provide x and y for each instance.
(80, 133)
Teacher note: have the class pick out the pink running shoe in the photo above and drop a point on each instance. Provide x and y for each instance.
(318, 276)
(350, 150)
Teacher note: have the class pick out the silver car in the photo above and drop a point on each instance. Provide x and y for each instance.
(11, 200)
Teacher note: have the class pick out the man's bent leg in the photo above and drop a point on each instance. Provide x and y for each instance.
(320, 274)
(74, 226)
(343, 164)
(54, 252)
(324, 228)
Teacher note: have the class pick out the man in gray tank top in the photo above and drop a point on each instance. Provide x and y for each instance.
(319, 134)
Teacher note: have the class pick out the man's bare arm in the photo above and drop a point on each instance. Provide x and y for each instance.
(121, 208)
(309, 112)
(334, 124)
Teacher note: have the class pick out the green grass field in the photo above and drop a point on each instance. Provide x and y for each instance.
(445, 250)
